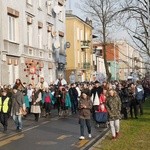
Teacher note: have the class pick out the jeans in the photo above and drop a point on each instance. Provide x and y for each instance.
(140, 107)
(18, 121)
(74, 106)
(82, 123)
(115, 127)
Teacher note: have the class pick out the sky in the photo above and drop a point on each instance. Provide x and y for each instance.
(74, 5)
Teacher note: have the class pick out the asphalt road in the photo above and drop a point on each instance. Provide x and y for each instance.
(51, 133)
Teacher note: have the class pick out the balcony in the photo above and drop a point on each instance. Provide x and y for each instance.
(85, 44)
(11, 48)
(85, 66)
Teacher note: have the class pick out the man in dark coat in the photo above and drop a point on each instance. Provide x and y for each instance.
(73, 93)
(95, 94)
(17, 106)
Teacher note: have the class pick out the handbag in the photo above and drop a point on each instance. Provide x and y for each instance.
(22, 112)
(101, 116)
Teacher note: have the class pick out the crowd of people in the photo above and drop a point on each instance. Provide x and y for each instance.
(106, 103)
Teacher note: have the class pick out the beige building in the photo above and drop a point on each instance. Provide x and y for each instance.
(79, 54)
(130, 61)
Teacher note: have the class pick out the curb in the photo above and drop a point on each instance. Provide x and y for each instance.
(95, 140)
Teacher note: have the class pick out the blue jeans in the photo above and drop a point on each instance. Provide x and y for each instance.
(82, 122)
(18, 121)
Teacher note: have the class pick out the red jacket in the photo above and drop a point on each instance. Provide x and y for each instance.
(102, 105)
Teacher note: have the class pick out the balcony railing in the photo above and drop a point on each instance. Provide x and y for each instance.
(86, 65)
(11, 48)
(85, 44)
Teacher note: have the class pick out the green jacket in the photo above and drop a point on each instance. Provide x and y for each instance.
(113, 105)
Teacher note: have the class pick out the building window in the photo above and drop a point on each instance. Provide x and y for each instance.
(49, 7)
(82, 57)
(78, 56)
(61, 40)
(81, 35)
(39, 4)
(50, 56)
(13, 29)
(29, 34)
(40, 38)
(30, 52)
(29, 2)
(61, 16)
(101, 52)
(78, 34)
(49, 40)
(86, 36)
(41, 54)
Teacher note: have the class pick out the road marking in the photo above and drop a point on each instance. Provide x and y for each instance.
(45, 122)
(46, 143)
(81, 143)
(62, 137)
(11, 139)
(1, 135)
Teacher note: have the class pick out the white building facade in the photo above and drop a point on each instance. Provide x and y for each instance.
(98, 60)
(130, 61)
(32, 40)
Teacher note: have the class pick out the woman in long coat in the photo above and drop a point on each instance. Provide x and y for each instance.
(36, 99)
(113, 105)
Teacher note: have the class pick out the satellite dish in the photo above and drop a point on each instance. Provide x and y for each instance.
(56, 44)
(57, 9)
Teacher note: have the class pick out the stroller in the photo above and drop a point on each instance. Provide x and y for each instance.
(101, 114)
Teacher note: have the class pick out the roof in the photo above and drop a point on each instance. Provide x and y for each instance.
(69, 15)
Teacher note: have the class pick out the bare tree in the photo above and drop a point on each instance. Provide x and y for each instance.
(137, 23)
(103, 13)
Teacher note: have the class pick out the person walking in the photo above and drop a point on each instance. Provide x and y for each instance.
(17, 107)
(47, 96)
(113, 105)
(85, 106)
(35, 107)
(139, 95)
(73, 93)
(133, 105)
(5, 109)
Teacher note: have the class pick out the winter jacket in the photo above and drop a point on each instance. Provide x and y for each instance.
(113, 105)
(85, 113)
(17, 103)
(139, 93)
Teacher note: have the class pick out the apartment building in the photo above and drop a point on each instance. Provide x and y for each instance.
(32, 40)
(130, 61)
(80, 52)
